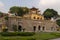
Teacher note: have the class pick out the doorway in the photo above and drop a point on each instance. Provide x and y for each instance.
(19, 28)
(34, 28)
(39, 27)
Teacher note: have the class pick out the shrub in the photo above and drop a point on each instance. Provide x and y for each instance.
(26, 33)
(5, 30)
(17, 33)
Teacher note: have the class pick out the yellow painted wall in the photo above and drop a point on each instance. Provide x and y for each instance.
(36, 17)
(4, 27)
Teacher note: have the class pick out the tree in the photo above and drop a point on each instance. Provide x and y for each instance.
(23, 10)
(58, 22)
(6, 20)
(6, 17)
(1, 14)
(4, 28)
(48, 13)
(19, 11)
(14, 9)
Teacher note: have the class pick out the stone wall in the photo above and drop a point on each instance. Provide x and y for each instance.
(28, 25)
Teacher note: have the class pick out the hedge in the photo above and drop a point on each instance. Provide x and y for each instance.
(17, 33)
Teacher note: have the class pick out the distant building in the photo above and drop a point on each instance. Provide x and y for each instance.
(31, 22)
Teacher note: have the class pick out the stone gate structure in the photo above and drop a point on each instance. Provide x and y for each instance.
(31, 22)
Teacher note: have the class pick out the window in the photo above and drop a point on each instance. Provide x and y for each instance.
(34, 17)
(38, 18)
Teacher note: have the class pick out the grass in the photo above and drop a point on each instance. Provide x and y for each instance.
(37, 36)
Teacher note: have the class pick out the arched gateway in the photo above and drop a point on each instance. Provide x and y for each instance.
(19, 28)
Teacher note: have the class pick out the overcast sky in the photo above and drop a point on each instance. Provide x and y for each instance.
(41, 4)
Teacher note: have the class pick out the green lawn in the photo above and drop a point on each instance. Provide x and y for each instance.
(37, 36)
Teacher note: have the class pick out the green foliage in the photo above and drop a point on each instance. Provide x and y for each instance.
(20, 11)
(58, 22)
(18, 38)
(5, 30)
(48, 13)
(36, 36)
(14, 9)
(17, 33)
(6, 17)
(1, 14)
(31, 39)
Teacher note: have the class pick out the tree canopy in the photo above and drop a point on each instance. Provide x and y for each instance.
(58, 22)
(6, 17)
(20, 11)
(48, 13)
(1, 14)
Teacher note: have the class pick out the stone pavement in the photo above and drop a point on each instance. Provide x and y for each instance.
(56, 39)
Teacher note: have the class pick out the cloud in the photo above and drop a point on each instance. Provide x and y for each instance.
(47, 2)
(1, 4)
(54, 4)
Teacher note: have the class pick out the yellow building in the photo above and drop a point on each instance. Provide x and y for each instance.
(34, 14)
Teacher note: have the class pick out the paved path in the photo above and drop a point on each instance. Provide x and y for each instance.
(56, 39)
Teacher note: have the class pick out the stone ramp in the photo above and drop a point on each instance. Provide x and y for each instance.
(56, 39)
